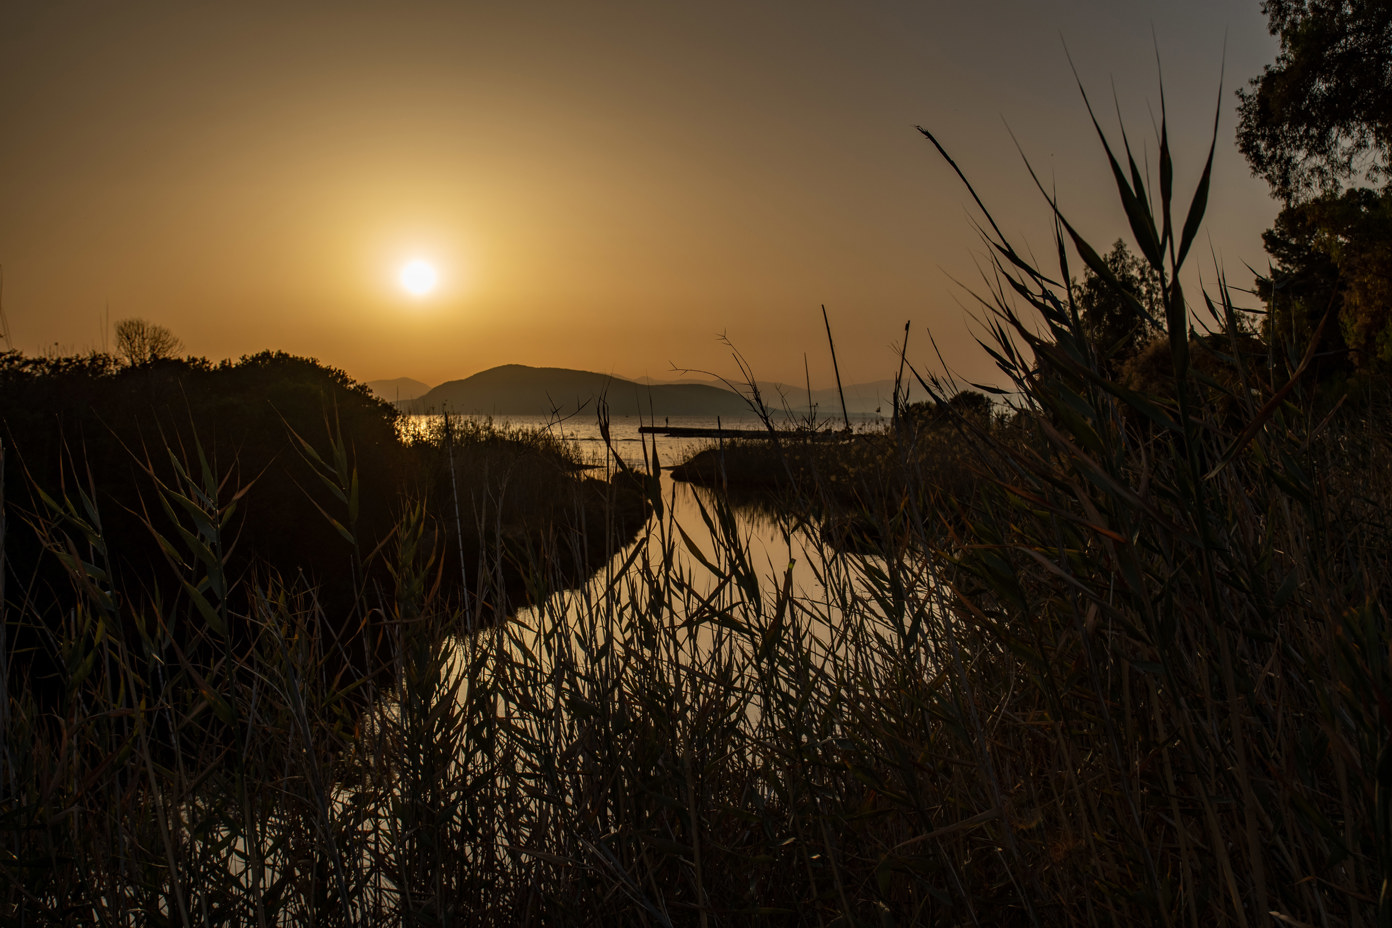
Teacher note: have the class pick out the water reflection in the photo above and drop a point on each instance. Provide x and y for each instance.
(703, 556)
(714, 583)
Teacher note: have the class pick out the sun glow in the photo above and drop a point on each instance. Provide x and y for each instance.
(419, 277)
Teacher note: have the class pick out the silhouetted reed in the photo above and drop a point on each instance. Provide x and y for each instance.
(1124, 661)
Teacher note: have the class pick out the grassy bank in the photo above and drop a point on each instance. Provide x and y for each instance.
(1131, 667)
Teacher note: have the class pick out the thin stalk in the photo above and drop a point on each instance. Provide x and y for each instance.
(836, 369)
(459, 530)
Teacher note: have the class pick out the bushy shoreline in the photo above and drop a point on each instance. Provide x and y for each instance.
(169, 487)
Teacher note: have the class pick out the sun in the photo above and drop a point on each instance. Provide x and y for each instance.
(419, 277)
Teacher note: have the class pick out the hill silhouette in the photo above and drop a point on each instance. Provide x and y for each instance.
(875, 396)
(519, 390)
(398, 389)
(862, 398)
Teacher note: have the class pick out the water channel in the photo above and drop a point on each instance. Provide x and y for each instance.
(695, 532)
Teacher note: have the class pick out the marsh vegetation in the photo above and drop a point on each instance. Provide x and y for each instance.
(1115, 653)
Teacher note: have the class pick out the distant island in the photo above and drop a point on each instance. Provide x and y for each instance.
(521, 390)
(398, 389)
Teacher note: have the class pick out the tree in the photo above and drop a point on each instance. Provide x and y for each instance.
(140, 342)
(1332, 254)
(1315, 124)
(1322, 114)
(1117, 331)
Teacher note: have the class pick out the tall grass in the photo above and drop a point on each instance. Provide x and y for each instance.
(1135, 670)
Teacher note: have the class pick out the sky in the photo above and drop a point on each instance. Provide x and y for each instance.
(636, 188)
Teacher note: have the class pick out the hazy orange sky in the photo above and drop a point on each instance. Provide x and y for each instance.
(607, 186)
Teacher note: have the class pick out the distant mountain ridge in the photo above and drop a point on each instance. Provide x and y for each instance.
(520, 390)
(876, 396)
(861, 398)
(398, 389)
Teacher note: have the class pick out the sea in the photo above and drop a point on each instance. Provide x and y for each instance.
(634, 447)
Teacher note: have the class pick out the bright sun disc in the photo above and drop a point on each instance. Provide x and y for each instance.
(418, 277)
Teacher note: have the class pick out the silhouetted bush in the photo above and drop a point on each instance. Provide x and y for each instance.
(182, 485)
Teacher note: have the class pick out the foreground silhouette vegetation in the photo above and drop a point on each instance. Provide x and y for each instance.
(166, 487)
(1132, 669)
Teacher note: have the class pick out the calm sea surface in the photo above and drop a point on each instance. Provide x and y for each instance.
(583, 432)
